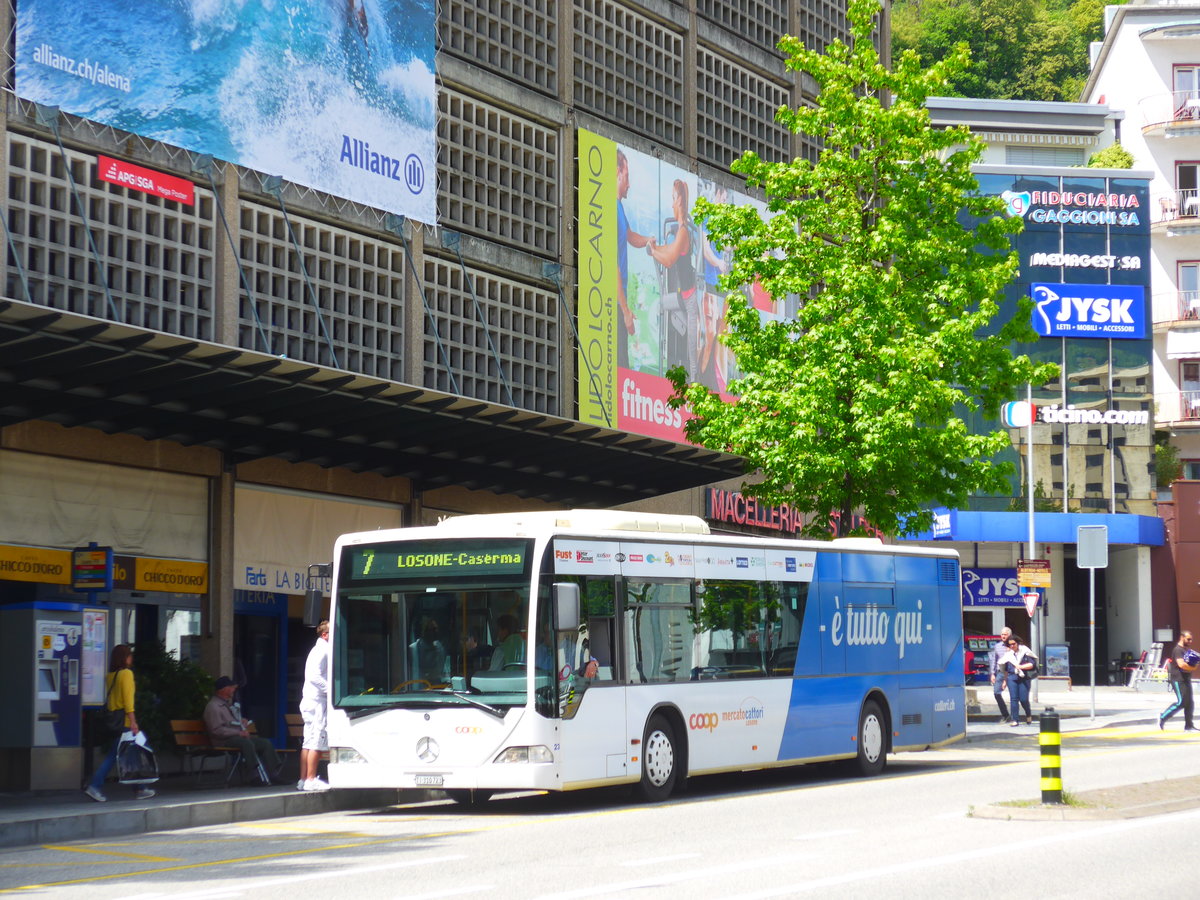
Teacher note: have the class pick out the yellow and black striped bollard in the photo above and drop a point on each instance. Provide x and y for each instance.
(1050, 741)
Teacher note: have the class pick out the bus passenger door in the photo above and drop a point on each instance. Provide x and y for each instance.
(593, 746)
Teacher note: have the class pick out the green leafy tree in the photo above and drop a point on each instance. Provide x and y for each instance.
(1168, 467)
(167, 688)
(851, 406)
(997, 31)
(1025, 50)
(1114, 156)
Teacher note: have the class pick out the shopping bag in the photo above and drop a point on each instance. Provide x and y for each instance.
(135, 762)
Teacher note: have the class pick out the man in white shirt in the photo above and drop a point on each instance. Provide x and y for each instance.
(312, 710)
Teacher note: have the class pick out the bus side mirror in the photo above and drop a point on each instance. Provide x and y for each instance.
(314, 599)
(566, 605)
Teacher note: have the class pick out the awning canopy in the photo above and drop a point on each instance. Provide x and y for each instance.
(1183, 344)
(81, 371)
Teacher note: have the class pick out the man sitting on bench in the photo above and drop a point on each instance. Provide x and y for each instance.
(226, 728)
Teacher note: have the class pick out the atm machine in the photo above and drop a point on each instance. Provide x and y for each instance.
(41, 658)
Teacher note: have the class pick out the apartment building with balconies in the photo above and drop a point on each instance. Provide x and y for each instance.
(1148, 65)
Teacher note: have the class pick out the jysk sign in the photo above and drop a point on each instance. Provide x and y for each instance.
(990, 587)
(1089, 310)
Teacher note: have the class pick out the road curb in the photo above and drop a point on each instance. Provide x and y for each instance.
(1053, 813)
(190, 813)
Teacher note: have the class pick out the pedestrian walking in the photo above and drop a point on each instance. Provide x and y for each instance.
(119, 688)
(313, 700)
(1180, 665)
(1018, 662)
(994, 672)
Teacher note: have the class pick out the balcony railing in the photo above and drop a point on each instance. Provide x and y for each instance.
(1178, 407)
(1186, 305)
(1175, 108)
(1174, 206)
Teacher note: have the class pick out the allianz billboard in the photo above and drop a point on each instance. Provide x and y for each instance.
(336, 95)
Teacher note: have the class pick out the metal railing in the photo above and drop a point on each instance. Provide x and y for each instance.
(1177, 306)
(1174, 205)
(1169, 108)
(1178, 406)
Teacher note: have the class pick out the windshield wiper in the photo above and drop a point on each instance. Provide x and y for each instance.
(486, 707)
(355, 712)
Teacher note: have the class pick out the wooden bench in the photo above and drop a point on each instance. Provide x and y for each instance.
(194, 742)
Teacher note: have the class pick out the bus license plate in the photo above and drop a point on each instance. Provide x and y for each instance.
(429, 780)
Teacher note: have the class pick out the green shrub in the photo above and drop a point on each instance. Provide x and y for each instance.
(167, 688)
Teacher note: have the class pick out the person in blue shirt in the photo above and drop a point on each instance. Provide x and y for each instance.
(998, 678)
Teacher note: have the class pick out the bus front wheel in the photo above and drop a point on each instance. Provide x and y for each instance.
(872, 740)
(659, 760)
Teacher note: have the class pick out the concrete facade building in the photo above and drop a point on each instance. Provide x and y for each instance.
(210, 389)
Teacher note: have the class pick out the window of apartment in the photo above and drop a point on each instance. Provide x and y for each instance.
(1191, 468)
(1187, 181)
(1189, 386)
(1187, 91)
(1189, 375)
(1187, 277)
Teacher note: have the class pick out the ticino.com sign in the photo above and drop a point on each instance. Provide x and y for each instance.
(1020, 414)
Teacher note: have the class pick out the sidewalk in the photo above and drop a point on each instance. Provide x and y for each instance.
(1113, 706)
(55, 816)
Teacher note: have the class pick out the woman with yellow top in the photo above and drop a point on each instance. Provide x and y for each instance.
(119, 691)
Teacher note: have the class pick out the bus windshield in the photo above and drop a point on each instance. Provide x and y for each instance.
(431, 623)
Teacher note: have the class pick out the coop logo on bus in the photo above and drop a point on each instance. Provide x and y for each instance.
(703, 721)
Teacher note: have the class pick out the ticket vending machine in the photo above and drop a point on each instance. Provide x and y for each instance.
(40, 663)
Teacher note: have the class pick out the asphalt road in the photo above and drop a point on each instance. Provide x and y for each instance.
(816, 831)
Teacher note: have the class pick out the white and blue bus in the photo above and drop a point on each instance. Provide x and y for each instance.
(563, 650)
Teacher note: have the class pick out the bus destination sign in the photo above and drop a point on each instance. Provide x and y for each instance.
(425, 559)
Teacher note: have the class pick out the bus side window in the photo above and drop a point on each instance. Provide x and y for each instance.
(659, 631)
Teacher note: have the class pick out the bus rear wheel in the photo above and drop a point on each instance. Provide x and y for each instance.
(659, 760)
(872, 740)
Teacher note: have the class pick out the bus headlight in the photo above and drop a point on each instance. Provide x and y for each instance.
(341, 755)
(538, 754)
